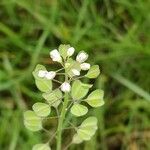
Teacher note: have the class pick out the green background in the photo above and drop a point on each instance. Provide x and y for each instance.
(115, 34)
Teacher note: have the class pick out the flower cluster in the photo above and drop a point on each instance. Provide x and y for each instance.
(56, 56)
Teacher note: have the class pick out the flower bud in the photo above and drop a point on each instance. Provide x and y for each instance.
(85, 66)
(70, 51)
(65, 87)
(50, 75)
(81, 57)
(75, 72)
(54, 54)
(42, 73)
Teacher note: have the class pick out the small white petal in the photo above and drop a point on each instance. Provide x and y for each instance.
(42, 73)
(54, 54)
(65, 87)
(81, 57)
(85, 66)
(75, 72)
(70, 51)
(50, 75)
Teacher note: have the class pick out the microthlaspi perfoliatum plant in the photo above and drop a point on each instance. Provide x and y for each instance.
(72, 95)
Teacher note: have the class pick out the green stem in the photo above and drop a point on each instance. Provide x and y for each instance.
(61, 119)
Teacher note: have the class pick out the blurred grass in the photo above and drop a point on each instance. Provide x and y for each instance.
(116, 34)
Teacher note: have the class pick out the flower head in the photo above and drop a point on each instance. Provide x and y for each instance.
(42, 73)
(65, 87)
(54, 54)
(70, 51)
(81, 57)
(50, 75)
(85, 66)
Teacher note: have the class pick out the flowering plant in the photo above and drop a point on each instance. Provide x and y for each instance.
(72, 94)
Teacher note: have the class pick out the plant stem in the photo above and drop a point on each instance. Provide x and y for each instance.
(61, 119)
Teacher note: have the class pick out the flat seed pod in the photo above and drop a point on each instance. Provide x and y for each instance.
(93, 72)
(36, 71)
(88, 128)
(31, 127)
(63, 50)
(53, 98)
(95, 99)
(32, 121)
(79, 110)
(41, 109)
(76, 139)
(44, 85)
(41, 147)
(79, 89)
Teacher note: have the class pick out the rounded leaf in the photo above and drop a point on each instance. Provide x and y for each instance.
(32, 121)
(93, 72)
(79, 89)
(95, 99)
(41, 147)
(79, 110)
(41, 109)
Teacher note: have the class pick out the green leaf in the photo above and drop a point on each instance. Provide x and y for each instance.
(76, 139)
(36, 71)
(93, 72)
(79, 110)
(79, 89)
(32, 121)
(53, 98)
(41, 147)
(44, 85)
(95, 99)
(41, 109)
(63, 50)
(71, 64)
(88, 128)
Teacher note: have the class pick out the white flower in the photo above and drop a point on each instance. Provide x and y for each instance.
(85, 66)
(70, 51)
(42, 73)
(75, 72)
(54, 54)
(81, 57)
(65, 87)
(50, 75)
